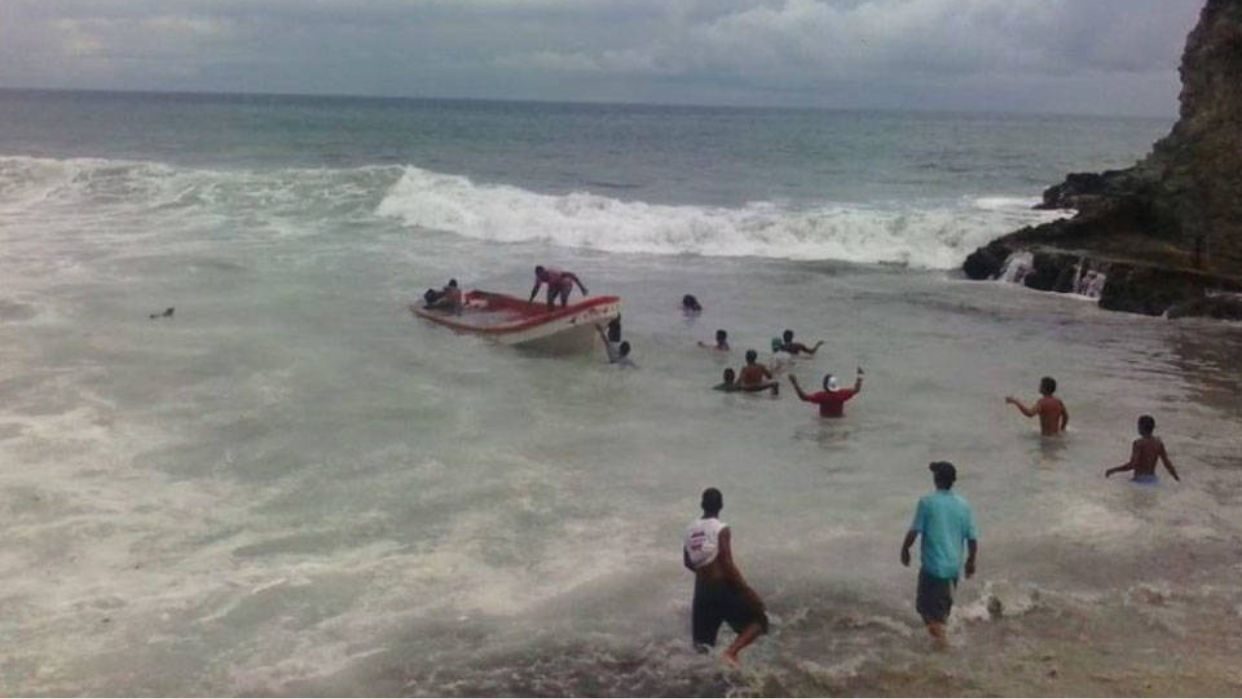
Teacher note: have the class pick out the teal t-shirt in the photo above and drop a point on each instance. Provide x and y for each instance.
(945, 522)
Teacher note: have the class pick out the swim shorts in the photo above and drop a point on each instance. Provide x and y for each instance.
(716, 602)
(1146, 479)
(935, 598)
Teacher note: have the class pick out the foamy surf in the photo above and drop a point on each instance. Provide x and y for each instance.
(928, 237)
(937, 237)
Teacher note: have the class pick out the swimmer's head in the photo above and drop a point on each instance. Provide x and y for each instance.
(788, 335)
(453, 283)
(712, 502)
(943, 473)
(751, 356)
(721, 336)
(1047, 385)
(624, 349)
(729, 376)
(690, 303)
(830, 382)
(1146, 425)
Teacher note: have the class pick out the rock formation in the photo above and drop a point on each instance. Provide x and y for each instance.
(1167, 233)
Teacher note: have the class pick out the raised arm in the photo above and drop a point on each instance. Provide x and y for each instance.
(1029, 412)
(798, 389)
(612, 353)
(1164, 457)
(858, 380)
(815, 348)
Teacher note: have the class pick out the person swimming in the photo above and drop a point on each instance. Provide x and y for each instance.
(1053, 416)
(618, 352)
(786, 344)
(722, 342)
(757, 377)
(1144, 453)
(729, 384)
(690, 305)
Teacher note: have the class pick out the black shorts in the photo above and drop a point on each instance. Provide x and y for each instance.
(935, 598)
(716, 602)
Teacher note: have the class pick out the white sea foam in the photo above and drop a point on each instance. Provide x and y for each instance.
(935, 237)
(929, 236)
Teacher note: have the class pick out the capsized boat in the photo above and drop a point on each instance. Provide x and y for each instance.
(514, 321)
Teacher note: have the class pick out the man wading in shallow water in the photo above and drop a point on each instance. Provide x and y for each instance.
(720, 592)
(1053, 417)
(945, 521)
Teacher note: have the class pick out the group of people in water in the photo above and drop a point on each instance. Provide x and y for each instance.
(943, 520)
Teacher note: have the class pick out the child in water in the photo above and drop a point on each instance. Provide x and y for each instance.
(1146, 450)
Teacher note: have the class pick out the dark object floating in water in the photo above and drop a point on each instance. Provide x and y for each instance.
(168, 313)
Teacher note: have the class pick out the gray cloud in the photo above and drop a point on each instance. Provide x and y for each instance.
(1103, 56)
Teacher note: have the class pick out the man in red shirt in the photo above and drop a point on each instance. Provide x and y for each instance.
(831, 400)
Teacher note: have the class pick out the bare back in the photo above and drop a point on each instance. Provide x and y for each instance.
(753, 375)
(1147, 450)
(1051, 413)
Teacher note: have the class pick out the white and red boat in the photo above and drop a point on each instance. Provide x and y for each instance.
(514, 321)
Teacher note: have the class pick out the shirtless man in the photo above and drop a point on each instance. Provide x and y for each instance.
(795, 348)
(1053, 417)
(722, 342)
(755, 376)
(729, 383)
(720, 592)
(560, 284)
(1147, 449)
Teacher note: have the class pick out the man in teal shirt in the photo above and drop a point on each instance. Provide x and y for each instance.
(945, 521)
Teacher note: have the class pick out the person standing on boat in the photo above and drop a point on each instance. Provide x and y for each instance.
(560, 283)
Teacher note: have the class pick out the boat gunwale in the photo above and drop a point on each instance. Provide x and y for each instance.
(531, 317)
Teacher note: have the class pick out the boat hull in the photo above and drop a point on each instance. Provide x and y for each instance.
(512, 321)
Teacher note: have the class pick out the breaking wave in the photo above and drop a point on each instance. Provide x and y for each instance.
(928, 236)
(936, 237)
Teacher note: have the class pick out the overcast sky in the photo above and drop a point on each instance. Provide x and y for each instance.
(1066, 56)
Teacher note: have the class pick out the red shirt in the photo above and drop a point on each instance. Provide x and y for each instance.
(832, 403)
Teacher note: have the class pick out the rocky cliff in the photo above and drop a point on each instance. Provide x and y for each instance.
(1166, 234)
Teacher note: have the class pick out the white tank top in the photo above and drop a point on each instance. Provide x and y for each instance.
(703, 541)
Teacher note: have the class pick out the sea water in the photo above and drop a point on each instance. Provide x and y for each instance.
(292, 486)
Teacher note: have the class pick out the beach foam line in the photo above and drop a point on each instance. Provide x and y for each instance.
(931, 237)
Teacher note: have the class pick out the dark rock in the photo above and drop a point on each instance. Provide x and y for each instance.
(984, 263)
(1218, 306)
(1170, 227)
(1143, 290)
(1044, 273)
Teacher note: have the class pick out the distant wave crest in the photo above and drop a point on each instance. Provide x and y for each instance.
(904, 233)
(932, 238)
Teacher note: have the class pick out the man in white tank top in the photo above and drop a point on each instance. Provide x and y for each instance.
(720, 592)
